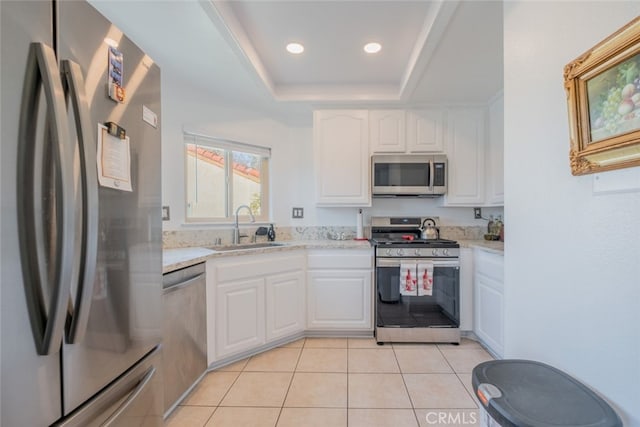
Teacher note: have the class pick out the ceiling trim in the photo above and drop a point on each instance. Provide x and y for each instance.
(432, 32)
(224, 19)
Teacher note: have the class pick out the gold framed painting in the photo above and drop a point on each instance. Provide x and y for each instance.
(603, 96)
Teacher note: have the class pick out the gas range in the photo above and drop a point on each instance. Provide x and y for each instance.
(400, 237)
(417, 282)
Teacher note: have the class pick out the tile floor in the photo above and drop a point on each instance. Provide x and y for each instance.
(339, 382)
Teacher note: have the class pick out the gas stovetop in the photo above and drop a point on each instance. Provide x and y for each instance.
(401, 237)
(404, 231)
(412, 242)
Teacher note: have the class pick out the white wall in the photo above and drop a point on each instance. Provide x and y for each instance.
(186, 107)
(291, 171)
(572, 257)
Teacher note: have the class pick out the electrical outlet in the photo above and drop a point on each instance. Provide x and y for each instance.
(477, 213)
(297, 213)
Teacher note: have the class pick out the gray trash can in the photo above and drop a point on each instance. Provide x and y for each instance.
(518, 393)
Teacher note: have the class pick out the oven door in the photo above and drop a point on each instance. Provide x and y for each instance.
(439, 310)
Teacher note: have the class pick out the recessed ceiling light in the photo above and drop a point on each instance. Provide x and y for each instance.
(372, 47)
(111, 42)
(295, 48)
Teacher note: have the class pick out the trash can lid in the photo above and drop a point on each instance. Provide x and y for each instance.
(528, 393)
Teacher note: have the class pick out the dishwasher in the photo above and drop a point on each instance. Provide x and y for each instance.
(185, 331)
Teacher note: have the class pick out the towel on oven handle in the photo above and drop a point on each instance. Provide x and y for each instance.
(425, 279)
(408, 279)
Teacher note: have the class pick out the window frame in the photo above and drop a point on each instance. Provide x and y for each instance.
(228, 146)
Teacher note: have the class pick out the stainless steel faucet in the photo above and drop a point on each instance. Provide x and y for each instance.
(236, 230)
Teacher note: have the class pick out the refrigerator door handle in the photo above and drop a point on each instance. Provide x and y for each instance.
(73, 81)
(131, 398)
(47, 318)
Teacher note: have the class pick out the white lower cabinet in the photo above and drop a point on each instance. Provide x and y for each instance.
(339, 290)
(258, 299)
(285, 304)
(240, 309)
(253, 300)
(489, 299)
(339, 299)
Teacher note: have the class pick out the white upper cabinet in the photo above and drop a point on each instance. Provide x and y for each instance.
(341, 157)
(495, 153)
(407, 131)
(425, 131)
(387, 131)
(465, 148)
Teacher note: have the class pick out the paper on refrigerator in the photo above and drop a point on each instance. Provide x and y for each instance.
(114, 160)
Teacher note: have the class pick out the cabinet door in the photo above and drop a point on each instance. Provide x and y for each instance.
(425, 131)
(466, 155)
(495, 154)
(285, 304)
(240, 315)
(387, 131)
(341, 157)
(489, 321)
(339, 299)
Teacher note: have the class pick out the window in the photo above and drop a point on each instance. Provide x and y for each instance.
(222, 175)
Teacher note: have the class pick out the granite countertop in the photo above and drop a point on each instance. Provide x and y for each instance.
(176, 258)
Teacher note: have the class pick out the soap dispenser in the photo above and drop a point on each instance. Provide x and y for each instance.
(271, 234)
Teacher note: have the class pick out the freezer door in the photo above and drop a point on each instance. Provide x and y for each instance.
(134, 399)
(30, 382)
(124, 320)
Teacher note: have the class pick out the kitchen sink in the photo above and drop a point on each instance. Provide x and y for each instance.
(245, 246)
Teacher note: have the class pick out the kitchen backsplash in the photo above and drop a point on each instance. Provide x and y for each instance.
(211, 237)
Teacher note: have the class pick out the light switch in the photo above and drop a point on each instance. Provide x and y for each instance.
(297, 213)
(165, 213)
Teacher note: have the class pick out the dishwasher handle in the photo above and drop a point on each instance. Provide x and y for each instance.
(180, 285)
(183, 277)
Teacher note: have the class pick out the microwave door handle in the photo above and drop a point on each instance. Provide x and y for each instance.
(431, 176)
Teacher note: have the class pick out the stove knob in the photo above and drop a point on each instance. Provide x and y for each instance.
(388, 252)
(417, 252)
(434, 252)
(400, 252)
(445, 252)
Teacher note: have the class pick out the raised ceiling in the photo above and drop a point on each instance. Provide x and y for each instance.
(433, 52)
(334, 65)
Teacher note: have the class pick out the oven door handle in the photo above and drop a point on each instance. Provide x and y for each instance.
(395, 262)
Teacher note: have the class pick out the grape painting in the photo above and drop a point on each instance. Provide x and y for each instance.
(614, 100)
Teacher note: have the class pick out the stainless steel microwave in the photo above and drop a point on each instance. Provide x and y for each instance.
(408, 175)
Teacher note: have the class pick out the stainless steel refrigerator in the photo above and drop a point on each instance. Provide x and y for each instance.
(81, 253)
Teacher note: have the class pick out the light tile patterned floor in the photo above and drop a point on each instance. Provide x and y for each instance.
(339, 382)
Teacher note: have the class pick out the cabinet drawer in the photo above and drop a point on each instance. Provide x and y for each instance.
(489, 264)
(344, 258)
